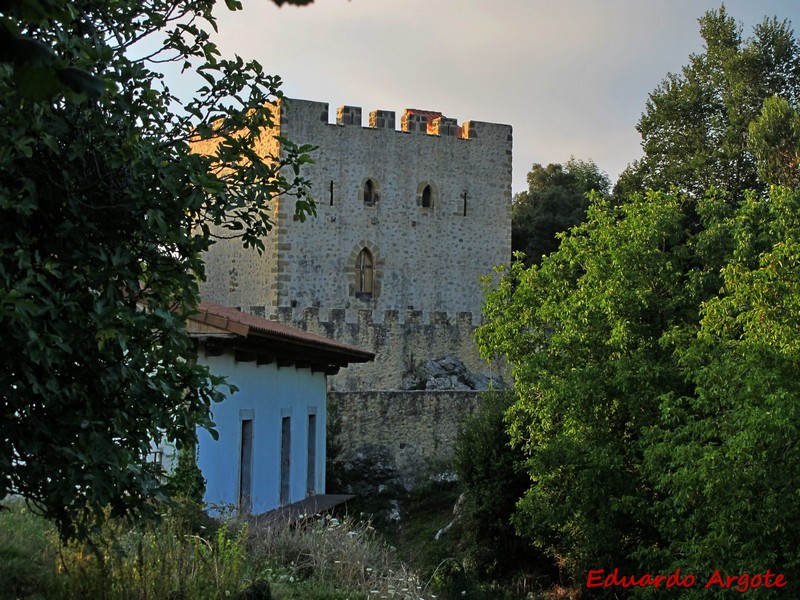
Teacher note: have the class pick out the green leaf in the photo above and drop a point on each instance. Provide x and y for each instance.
(36, 83)
(82, 82)
(107, 214)
(22, 50)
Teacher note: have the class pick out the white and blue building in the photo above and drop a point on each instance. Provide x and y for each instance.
(270, 452)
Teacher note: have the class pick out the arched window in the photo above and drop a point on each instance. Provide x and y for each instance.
(427, 200)
(427, 195)
(364, 274)
(369, 192)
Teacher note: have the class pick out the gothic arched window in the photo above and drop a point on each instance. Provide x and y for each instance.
(427, 197)
(365, 274)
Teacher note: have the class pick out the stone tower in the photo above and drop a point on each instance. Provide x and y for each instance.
(407, 223)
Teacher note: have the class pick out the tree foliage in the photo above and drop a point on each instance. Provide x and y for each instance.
(491, 473)
(655, 367)
(738, 430)
(106, 212)
(655, 352)
(695, 125)
(775, 142)
(581, 333)
(556, 199)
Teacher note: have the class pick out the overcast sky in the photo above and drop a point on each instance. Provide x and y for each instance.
(571, 76)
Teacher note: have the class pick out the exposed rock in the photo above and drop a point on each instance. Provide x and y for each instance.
(456, 516)
(369, 472)
(394, 512)
(447, 373)
(445, 477)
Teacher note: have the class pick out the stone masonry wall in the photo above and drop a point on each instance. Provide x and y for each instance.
(417, 431)
(240, 277)
(402, 341)
(428, 260)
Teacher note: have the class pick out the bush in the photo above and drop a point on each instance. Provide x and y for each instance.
(27, 553)
(493, 479)
(156, 560)
(187, 481)
(321, 559)
(332, 559)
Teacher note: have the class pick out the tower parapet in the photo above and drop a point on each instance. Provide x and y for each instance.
(381, 119)
(348, 115)
(412, 122)
(445, 127)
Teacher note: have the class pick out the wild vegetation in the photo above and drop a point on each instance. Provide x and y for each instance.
(695, 127)
(185, 555)
(556, 199)
(654, 352)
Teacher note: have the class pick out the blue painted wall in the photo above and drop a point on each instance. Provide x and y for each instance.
(266, 394)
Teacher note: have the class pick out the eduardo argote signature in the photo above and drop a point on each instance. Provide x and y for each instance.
(598, 578)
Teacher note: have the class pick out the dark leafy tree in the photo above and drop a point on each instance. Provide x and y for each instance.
(654, 353)
(775, 142)
(556, 199)
(106, 212)
(581, 333)
(655, 375)
(724, 458)
(492, 474)
(695, 126)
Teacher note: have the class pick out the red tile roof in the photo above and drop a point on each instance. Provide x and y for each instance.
(278, 336)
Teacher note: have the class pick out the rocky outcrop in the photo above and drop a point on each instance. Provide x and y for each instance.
(447, 373)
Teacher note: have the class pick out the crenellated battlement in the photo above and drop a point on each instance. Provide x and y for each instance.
(381, 119)
(348, 115)
(401, 340)
(413, 120)
(322, 316)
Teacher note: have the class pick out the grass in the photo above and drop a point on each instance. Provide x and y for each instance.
(444, 565)
(27, 554)
(185, 557)
(146, 562)
(344, 551)
(175, 559)
(427, 509)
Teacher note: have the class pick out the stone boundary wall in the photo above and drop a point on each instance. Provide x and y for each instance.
(402, 341)
(415, 431)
